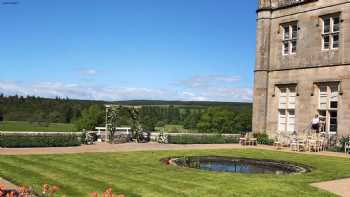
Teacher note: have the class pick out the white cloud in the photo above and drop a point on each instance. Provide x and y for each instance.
(204, 81)
(214, 88)
(88, 72)
(78, 91)
(218, 94)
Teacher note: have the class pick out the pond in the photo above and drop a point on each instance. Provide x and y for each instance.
(239, 165)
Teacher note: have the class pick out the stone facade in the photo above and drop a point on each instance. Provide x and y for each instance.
(307, 70)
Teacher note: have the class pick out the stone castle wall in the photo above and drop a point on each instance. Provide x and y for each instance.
(309, 65)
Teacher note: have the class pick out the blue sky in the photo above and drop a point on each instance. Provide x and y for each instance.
(128, 49)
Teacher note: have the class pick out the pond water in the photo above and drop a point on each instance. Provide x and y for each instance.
(239, 165)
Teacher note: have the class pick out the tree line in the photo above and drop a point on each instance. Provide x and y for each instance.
(37, 109)
(209, 117)
(222, 119)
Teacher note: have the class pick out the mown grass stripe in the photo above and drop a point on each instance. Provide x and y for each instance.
(34, 179)
(155, 170)
(72, 177)
(122, 176)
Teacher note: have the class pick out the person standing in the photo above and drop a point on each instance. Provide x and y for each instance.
(315, 125)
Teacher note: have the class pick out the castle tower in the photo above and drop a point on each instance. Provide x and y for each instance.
(262, 66)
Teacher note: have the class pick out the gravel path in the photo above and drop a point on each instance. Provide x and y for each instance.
(7, 184)
(339, 187)
(130, 147)
(104, 147)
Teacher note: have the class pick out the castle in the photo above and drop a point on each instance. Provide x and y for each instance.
(302, 66)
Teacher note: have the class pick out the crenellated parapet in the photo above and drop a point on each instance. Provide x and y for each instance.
(280, 4)
(264, 4)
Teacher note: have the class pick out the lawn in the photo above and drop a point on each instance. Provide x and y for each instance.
(27, 126)
(142, 174)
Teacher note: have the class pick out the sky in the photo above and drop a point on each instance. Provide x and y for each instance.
(193, 50)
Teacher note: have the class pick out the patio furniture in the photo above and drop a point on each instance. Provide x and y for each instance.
(294, 144)
(324, 143)
(277, 143)
(243, 139)
(253, 141)
(314, 145)
(302, 145)
(347, 147)
(248, 140)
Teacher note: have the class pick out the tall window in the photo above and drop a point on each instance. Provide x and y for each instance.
(290, 38)
(287, 103)
(328, 106)
(330, 32)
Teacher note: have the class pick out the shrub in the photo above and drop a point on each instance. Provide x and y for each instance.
(263, 138)
(22, 140)
(340, 146)
(203, 139)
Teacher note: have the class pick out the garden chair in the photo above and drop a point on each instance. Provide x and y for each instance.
(302, 145)
(294, 144)
(347, 147)
(252, 141)
(244, 139)
(277, 143)
(324, 143)
(248, 140)
(315, 145)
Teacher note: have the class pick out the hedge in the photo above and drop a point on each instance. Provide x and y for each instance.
(203, 139)
(263, 138)
(26, 140)
(340, 146)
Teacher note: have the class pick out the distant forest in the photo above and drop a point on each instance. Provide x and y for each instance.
(218, 117)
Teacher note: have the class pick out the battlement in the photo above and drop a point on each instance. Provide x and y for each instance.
(280, 4)
(288, 3)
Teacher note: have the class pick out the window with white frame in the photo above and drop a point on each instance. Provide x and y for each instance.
(330, 32)
(287, 104)
(328, 106)
(290, 38)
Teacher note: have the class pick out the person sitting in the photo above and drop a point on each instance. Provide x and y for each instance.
(315, 125)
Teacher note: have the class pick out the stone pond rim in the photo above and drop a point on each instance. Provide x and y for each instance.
(287, 166)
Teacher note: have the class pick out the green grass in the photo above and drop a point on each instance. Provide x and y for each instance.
(171, 128)
(27, 126)
(142, 174)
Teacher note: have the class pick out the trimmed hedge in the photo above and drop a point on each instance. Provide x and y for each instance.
(203, 139)
(26, 140)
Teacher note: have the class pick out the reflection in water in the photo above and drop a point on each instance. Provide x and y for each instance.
(238, 165)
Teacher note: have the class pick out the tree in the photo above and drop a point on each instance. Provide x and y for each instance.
(148, 123)
(90, 118)
(217, 120)
(191, 120)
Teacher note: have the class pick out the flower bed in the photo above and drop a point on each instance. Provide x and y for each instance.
(47, 191)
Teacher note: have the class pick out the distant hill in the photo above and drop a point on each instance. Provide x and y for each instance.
(179, 103)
